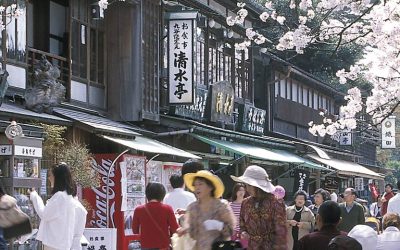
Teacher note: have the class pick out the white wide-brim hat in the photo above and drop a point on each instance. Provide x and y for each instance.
(257, 177)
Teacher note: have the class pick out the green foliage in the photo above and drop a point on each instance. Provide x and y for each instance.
(394, 176)
(53, 141)
(78, 157)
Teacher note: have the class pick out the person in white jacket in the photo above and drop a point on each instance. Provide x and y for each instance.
(57, 225)
(80, 223)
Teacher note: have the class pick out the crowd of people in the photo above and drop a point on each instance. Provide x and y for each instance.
(257, 215)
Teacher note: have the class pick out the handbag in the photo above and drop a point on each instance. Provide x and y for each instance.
(221, 244)
(12, 219)
(18, 229)
(226, 245)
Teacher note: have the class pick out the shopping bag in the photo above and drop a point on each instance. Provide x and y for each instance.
(184, 242)
(18, 229)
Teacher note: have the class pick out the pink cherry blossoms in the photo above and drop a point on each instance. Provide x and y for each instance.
(372, 24)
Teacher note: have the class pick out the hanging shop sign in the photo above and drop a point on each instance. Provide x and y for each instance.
(252, 119)
(13, 130)
(221, 102)
(359, 184)
(345, 138)
(5, 149)
(301, 178)
(181, 49)
(195, 111)
(389, 132)
(331, 183)
(27, 151)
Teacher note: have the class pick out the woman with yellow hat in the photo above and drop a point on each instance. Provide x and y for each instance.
(208, 219)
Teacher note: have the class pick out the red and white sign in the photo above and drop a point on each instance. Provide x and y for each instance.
(97, 198)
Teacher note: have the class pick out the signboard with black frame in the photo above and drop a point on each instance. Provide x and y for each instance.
(252, 119)
(195, 111)
(221, 100)
(181, 57)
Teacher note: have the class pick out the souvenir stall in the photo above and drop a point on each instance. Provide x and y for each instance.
(20, 158)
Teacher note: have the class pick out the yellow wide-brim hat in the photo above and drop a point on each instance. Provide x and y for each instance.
(215, 180)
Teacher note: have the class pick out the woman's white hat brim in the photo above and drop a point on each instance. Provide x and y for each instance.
(264, 185)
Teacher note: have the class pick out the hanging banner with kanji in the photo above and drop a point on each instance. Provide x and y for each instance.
(301, 178)
(389, 132)
(180, 58)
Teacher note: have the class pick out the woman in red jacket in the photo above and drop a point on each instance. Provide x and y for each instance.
(154, 219)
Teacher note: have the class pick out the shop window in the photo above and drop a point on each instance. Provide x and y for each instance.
(289, 89)
(212, 59)
(283, 88)
(78, 49)
(239, 74)
(14, 32)
(315, 100)
(324, 103)
(300, 93)
(96, 56)
(200, 57)
(294, 91)
(247, 87)
(26, 168)
(228, 62)
(87, 46)
(220, 63)
(277, 86)
(305, 96)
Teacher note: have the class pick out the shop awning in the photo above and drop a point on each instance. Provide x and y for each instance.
(144, 144)
(95, 123)
(348, 167)
(259, 152)
(320, 152)
(19, 112)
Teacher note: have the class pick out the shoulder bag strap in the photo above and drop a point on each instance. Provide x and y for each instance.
(155, 222)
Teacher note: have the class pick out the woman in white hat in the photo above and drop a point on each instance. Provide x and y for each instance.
(208, 219)
(262, 217)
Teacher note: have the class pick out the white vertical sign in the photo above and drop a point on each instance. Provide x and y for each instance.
(180, 61)
(345, 138)
(43, 178)
(359, 184)
(389, 132)
(101, 238)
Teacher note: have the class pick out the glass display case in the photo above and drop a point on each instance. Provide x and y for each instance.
(20, 170)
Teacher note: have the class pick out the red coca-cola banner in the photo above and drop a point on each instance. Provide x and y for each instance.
(97, 198)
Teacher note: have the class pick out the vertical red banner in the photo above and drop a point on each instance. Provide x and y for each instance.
(97, 198)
